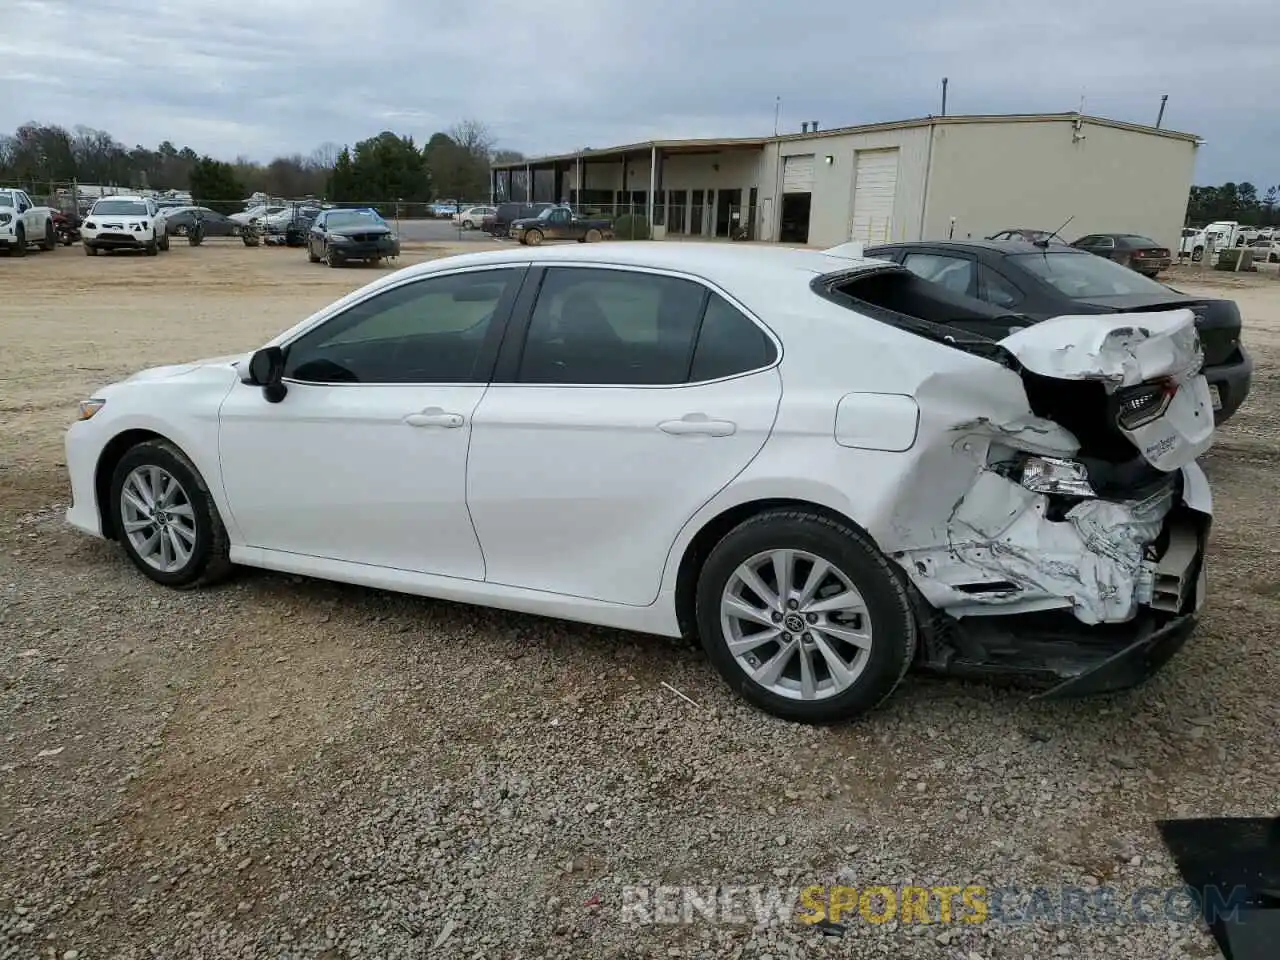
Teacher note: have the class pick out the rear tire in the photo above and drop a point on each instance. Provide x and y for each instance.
(164, 241)
(872, 670)
(192, 506)
(1197, 254)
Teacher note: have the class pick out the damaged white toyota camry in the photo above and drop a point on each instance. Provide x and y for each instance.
(801, 458)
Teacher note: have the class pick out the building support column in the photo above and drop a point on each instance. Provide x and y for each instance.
(653, 182)
(528, 184)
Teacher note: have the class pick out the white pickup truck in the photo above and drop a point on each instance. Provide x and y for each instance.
(22, 223)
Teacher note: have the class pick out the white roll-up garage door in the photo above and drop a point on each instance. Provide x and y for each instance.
(875, 185)
(797, 174)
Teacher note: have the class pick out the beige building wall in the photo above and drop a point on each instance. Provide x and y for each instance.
(832, 211)
(994, 175)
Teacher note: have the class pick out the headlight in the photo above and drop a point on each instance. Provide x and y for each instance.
(1067, 478)
(90, 225)
(338, 238)
(90, 407)
(1146, 402)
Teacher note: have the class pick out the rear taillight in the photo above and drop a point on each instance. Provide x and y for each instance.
(1141, 404)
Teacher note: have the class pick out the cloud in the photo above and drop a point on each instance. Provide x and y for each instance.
(262, 79)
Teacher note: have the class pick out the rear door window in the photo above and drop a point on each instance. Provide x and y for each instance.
(957, 274)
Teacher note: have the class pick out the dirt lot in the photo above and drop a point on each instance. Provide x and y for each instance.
(289, 768)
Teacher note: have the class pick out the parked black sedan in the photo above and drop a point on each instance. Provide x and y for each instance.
(1034, 282)
(340, 236)
(178, 222)
(1135, 252)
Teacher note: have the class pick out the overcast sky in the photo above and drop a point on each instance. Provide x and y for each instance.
(269, 77)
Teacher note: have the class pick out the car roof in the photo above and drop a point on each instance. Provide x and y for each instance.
(721, 263)
(998, 246)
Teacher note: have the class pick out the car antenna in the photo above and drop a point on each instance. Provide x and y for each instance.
(1044, 243)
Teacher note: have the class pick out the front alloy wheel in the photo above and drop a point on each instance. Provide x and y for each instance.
(804, 617)
(157, 516)
(165, 518)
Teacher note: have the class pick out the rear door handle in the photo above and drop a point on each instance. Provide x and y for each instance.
(434, 417)
(698, 424)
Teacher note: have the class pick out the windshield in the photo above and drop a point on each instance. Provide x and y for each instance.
(119, 208)
(355, 218)
(1084, 276)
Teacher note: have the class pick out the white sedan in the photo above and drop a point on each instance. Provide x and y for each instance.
(470, 218)
(817, 464)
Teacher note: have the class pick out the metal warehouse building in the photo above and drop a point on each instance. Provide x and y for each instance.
(966, 176)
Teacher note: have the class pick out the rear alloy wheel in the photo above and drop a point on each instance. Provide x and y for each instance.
(804, 617)
(165, 517)
(1197, 254)
(468, 225)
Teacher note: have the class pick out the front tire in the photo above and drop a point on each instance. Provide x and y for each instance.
(165, 517)
(50, 241)
(533, 238)
(804, 617)
(20, 243)
(90, 250)
(164, 241)
(1197, 254)
(151, 248)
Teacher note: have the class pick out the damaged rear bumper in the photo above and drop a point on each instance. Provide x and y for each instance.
(1083, 648)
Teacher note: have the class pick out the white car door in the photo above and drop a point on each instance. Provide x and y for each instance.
(26, 211)
(364, 459)
(632, 398)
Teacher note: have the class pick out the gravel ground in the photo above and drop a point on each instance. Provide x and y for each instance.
(289, 768)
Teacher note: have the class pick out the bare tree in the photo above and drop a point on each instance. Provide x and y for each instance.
(473, 137)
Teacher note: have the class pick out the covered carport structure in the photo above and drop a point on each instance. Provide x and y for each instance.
(697, 187)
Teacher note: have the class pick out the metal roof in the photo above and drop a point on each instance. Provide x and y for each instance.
(715, 145)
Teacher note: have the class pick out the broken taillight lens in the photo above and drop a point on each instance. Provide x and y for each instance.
(1141, 404)
(1055, 475)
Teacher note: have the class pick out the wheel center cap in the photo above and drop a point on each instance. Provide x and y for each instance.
(794, 623)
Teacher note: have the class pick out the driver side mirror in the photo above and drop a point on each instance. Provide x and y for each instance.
(266, 370)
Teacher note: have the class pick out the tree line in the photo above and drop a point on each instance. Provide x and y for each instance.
(1234, 201)
(388, 167)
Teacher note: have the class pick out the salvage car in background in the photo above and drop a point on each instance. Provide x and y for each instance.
(1021, 233)
(806, 460)
(23, 222)
(470, 218)
(340, 236)
(499, 225)
(1133, 251)
(560, 223)
(123, 223)
(1033, 283)
(179, 221)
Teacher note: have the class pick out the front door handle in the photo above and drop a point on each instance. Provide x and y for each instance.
(434, 417)
(698, 424)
